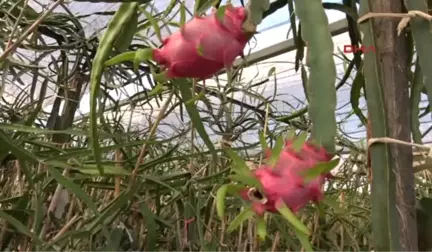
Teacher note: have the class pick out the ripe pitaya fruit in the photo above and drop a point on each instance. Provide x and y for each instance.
(204, 45)
(285, 181)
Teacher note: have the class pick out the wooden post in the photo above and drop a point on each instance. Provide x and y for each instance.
(393, 54)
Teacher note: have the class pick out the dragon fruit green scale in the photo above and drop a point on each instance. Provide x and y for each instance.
(284, 182)
(204, 45)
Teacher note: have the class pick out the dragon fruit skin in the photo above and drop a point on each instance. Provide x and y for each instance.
(204, 45)
(285, 182)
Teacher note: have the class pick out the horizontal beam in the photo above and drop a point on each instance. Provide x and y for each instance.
(286, 46)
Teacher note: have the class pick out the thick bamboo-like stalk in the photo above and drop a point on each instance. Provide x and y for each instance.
(386, 82)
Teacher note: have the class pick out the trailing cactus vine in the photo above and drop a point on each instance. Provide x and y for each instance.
(322, 105)
(421, 30)
(116, 25)
(322, 71)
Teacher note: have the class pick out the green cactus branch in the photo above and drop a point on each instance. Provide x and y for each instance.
(321, 63)
(321, 88)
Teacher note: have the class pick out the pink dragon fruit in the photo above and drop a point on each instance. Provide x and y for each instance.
(285, 182)
(204, 45)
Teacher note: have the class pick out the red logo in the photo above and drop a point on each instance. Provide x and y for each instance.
(354, 49)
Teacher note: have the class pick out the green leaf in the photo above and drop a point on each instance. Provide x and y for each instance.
(291, 135)
(150, 224)
(304, 240)
(243, 173)
(170, 7)
(291, 218)
(142, 55)
(195, 98)
(110, 212)
(160, 78)
(73, 188)
(186, 95)
(122, 57)
(261, 226)
(9, 146)
(240, 218)
(73, 234)
(220, 13)
(333, 204)
(153, 22)
(200, 50)
(182, 14)
(220, 201)
(91, 169)
(221, 196)
(245, 179)
(83, 152)
(319, 169)
(203, 5)
(239, 165)
(58, 164)
(28, 129)
(304, 78)
(299, 141)
(262, 140)
(21, 228)
(276, 152)
(156, 180)
(158, 89)
(356, 87)
(125, 37)
(115, 26)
